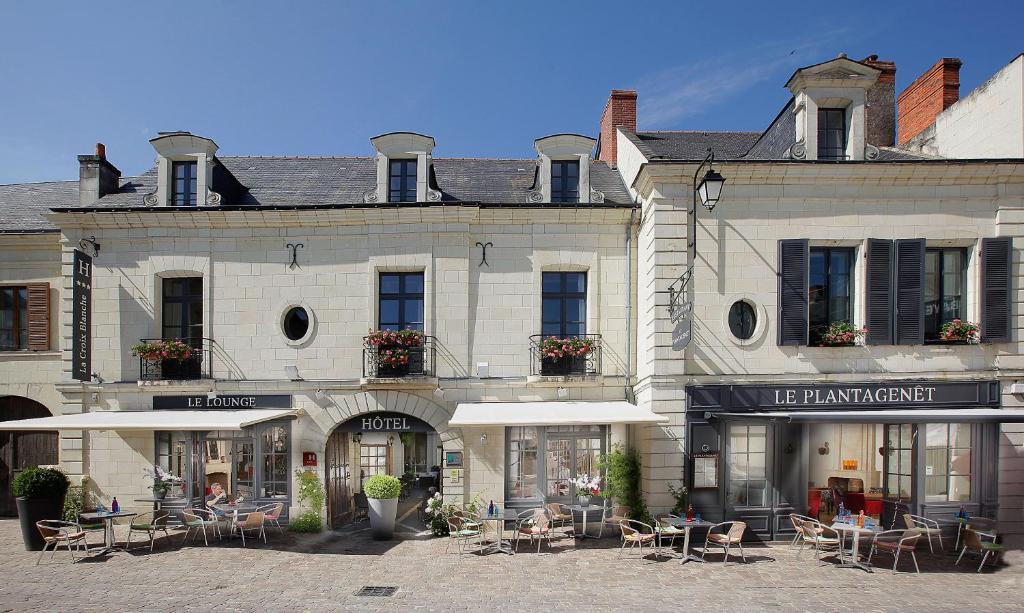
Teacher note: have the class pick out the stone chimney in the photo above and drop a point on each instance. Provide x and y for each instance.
(922, 101)
(880, 113)
(619, 111)
(96, 176)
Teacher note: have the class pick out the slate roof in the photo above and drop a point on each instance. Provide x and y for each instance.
(693, 145)
(309, 181)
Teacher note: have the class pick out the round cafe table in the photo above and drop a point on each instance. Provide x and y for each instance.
(500, 545)
(688, 525)
(576, 508)
(854, 561)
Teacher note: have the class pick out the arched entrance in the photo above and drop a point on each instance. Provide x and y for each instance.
(379, 442)
(19, 450)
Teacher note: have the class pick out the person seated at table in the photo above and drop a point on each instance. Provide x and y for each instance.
(217, 495)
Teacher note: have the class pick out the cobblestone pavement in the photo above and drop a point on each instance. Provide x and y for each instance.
(323, 572)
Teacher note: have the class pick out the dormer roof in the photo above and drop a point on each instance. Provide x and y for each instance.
(838, 72)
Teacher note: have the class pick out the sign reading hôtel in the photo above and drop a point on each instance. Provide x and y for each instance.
(224, 401)
(904, 394)
(385, 421)
(81, 317)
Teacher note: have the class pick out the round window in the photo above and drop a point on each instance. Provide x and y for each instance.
(295, 323)
(742, 319)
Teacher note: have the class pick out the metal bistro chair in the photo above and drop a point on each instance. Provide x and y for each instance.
(469, 519)
(272, 514)
(149, 523)
(252, 522)
(973, 541)
(534, 524)
(665, 530)
(732, 536)
(57, 533)
(797, 520)
(821, 537)
(637, 534)
(927, 527)
(619, 513)
(561, 515)
(896, 542)
(198, 520)
(459, 532)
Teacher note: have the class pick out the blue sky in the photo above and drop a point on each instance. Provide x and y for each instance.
(483, 78)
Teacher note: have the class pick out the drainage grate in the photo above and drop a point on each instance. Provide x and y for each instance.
(381, 591)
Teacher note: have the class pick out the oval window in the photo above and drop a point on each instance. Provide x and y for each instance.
(295, 323)
(742, 319)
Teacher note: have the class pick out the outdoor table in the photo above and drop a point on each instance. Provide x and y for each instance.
(584, 510)
(500, 545)
(688, 525)
(107, 517)
(845, 528)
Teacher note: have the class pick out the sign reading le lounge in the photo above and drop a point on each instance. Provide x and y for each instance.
(920, 394)
(226, 401)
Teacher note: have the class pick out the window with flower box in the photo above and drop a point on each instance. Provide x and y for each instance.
(944, 289)
(830, 296)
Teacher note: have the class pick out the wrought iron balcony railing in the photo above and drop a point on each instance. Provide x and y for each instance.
(561, 357)
(394, 361)
(154, 366)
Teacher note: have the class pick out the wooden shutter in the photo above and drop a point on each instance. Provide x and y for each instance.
(38, 316)
(910, 291)
(794, 256)
(996, 263)
(879, 306)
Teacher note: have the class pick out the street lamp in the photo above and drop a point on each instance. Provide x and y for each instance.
(709, 190)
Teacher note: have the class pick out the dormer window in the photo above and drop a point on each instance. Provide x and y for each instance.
(184, 183)
(402, 181)
(832, 134)
(565, 181)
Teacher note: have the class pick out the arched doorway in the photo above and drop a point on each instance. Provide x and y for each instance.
(379, 442)
(19, 450)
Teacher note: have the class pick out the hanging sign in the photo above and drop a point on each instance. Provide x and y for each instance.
(81, 317)
(453, 459)
(384, 421)
(309, 458)
(224, 401)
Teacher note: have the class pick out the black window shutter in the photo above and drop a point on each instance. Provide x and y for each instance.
(996, 263)
(879, 304)
(794, 256)
(910, 291)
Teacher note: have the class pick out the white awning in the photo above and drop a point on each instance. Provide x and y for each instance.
(551, 414)
(150, 420)
(891, 416)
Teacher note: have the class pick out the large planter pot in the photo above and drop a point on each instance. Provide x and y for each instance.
(383, 512)
(31, 510)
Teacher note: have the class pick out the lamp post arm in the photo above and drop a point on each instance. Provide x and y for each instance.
(691, 240)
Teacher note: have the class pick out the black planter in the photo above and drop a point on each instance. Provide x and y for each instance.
(177, 370)
(31, 510)
(569, 365)
(383, 370)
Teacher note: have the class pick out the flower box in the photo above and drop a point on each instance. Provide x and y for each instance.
(567, 365)
(959, 331)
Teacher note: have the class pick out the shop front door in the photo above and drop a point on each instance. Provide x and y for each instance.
(339, 473)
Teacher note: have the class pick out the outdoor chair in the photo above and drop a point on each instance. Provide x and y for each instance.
(272, 514)
(249, 522)
(462, 534)
(973, 540)
(198, 520)
(534, 524)
(896, 542)
(665, 530)
(821, 537)
(797, 521)
(149, 523)
(927, 527)
(561, 515)
(618, 514)
(733, 535)
(637, 534)
(56, 532)
(470, 520)
(93, 526)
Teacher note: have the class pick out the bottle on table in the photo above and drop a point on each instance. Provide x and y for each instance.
(490, 509)
(115, 507)
(842, 510)
(860, 520)
(689, 513)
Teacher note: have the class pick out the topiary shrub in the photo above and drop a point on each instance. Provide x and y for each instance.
(382, 487)
(35, 482)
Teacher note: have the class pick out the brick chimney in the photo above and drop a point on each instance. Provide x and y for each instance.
(619, 111)
(880, 114)
(96, 176)
(922, 101)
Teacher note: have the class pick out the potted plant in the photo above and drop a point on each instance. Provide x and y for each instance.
(396, 350)
(382, 493)
(175, 356)
(564, 356)
(841, 334)
(163, 481)
(586, 486)
(39, 494)
(960, 331)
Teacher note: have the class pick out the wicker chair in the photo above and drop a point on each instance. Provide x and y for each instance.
(534, 524)
(973, 541)
(272, 514)
(199, 520)
(618, 514)
(561, 515)
(148, 523)
(927, 527)
(637, 534)
(57, 533)
(461, 533)
(896, 542)
(733, 535)
(251, 522)
(665, 529)
(821, 537)
(797, 520)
